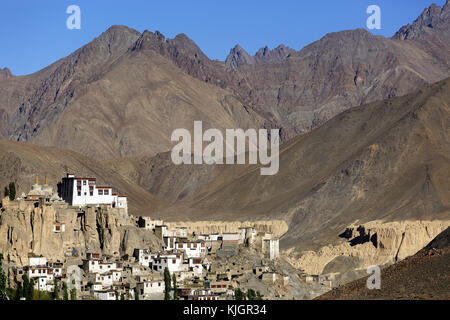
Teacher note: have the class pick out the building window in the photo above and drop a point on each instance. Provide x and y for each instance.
(106, 192)
(84, 182)
(100, 192)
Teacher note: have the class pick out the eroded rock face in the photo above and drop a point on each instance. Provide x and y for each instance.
(238, 56)
(373, 243)
(5, 73)
(28, 229)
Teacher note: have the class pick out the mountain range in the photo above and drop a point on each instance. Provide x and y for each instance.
(364, 121)
(125, 92)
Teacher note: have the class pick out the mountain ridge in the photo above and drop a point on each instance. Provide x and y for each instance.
(287, 90)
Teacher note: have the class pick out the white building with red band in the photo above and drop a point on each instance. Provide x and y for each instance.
(83, 191)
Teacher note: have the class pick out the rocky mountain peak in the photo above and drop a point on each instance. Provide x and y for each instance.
(433, 17)
(5, 73)
(104, 49)
(186, 45)
(149, 40)
(179, 49)
(279, 53)
(237, 57)
(118, 29)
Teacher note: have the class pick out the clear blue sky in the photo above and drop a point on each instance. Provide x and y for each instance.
(33, 34)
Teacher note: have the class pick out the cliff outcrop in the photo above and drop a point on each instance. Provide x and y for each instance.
(373, 243)
(56, 231)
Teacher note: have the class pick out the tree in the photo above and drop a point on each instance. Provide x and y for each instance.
(175, 287)
(73, 294)
(167, 283)
(258, 295)
(55, 294)
(19, 291)
(122, 296)
(136, 295)
(251, 295)
(9, 279)
(73, 291)
(30, 290)
(27, 288)
(12, 191)
(9, 275)
(3, 294)
(238, 294)
(6, 192)
(65, 291)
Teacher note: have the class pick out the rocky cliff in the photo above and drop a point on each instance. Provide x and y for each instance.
(421, 276)
(134, 89)
(238, 56)
(5, 73)
(373, 243)
(27, 229)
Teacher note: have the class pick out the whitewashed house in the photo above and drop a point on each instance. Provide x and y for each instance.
(144, 256)
(271, 247)
(150, 288)
(117, 276)
(99, 266)
(174, 262)
(44, 284)
(247, 235)
(192, 249)
(209, 237)
(170, 242)
(43, 278)
(148, 223)
(105, 295)
(196, 266)
(105, 279)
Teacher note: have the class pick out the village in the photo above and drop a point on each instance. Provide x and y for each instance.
(188, 265)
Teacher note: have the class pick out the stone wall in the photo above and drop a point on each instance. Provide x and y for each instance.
(276, 227)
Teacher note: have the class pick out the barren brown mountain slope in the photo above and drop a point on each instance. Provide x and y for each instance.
(21, 162)
(123, 93)
(29, 104)
(422, 276)
(385, 161)
(119, 95)
(346, 69)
